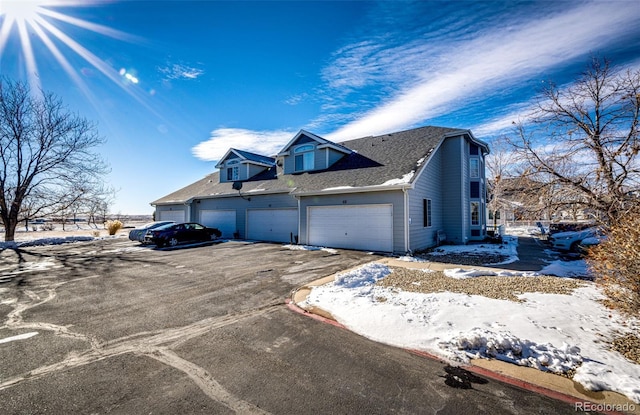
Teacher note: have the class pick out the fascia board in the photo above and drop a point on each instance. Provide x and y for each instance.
(346, 190)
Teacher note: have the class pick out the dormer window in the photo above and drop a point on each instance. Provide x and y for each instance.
(304, 157)
(233, 173)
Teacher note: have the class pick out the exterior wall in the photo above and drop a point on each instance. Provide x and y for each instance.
(454, 208)
(333, 156)
(481, 228)
(241, 205)
(427, 186)
(253, 169)
(395, 198)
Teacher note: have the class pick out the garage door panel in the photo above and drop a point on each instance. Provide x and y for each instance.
(224, 220)
(273, 225)
(174, 215)
(365, 227)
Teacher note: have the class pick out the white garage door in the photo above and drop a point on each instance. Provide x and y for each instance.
(363, 227)
(224, 220)
(274, 225)
(174, 215)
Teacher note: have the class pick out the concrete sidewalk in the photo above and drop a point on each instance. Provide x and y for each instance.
(554, 386)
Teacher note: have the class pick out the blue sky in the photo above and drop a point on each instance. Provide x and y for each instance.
(174, 84)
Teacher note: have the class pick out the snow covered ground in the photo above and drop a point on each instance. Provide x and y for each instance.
(550, 332)
(73, 233)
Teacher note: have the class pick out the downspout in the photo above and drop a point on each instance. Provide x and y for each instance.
(299, 224)
(188, 209)
(407, 225)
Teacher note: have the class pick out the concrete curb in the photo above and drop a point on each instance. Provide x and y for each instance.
(544, 383)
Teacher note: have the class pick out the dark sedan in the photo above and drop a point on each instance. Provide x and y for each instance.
(138, 234)
(175, 234)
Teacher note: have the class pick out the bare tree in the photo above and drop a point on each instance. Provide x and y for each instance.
(500, 166)
(583, 141)
(46, 155)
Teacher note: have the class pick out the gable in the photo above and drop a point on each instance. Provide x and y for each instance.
(380, 162)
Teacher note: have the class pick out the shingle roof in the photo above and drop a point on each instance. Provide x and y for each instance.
(255, 157)
(380, 160)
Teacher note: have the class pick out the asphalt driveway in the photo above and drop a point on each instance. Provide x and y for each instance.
(107, 326)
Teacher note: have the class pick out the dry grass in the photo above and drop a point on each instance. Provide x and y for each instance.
(504, 288)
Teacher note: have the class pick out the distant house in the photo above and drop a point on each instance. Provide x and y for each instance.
(396, 192)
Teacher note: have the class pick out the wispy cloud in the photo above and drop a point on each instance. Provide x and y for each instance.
(492, 60)
(388, 81)
(174, 71)
(503, 123)
(266, 143)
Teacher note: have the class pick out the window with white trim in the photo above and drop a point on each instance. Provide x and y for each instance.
(304, 157)
(475, 213)
(426, 212)
(474, 167)
(233, 173)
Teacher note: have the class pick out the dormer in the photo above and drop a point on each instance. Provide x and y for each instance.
(238, 165)
(309, 152)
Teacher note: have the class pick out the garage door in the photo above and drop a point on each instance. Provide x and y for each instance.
(174, 215)
(363, 227)
(224, 220)
(274, 225)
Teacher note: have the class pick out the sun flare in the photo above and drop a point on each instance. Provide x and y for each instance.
(20, 11)
(32, 21)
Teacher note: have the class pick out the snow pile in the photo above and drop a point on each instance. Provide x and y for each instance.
(405, 179)
(460, 274)
(310, 248)
(508, 248)
(45, 241)
(551, 332)
(506, 347)
(362, 277)
(570, 269)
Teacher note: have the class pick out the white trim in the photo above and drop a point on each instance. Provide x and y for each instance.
(407, 230)
(343, 190)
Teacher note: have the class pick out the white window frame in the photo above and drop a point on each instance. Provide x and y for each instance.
(307, 154)
(235, 173)
(475, 215)
(474, 171)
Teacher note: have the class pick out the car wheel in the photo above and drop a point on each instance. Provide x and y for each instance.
(214, 236)
(173, 241)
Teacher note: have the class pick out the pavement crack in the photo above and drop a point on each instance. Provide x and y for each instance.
(154, 344)
(206, 382)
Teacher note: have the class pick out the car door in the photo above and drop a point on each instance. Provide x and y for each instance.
(199, 232)
(178, 232)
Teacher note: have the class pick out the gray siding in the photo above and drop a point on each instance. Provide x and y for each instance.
(333, 156)
(395, 198)
(254, 169)
(241, 205)
(427, 186)
(455, 217)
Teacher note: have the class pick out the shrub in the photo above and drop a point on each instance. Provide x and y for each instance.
(48, 227)
(616, 263)
(113, 226)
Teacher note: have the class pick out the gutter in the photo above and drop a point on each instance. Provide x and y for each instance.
(364, 189)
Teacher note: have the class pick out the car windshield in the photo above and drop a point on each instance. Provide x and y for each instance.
(163, 227)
